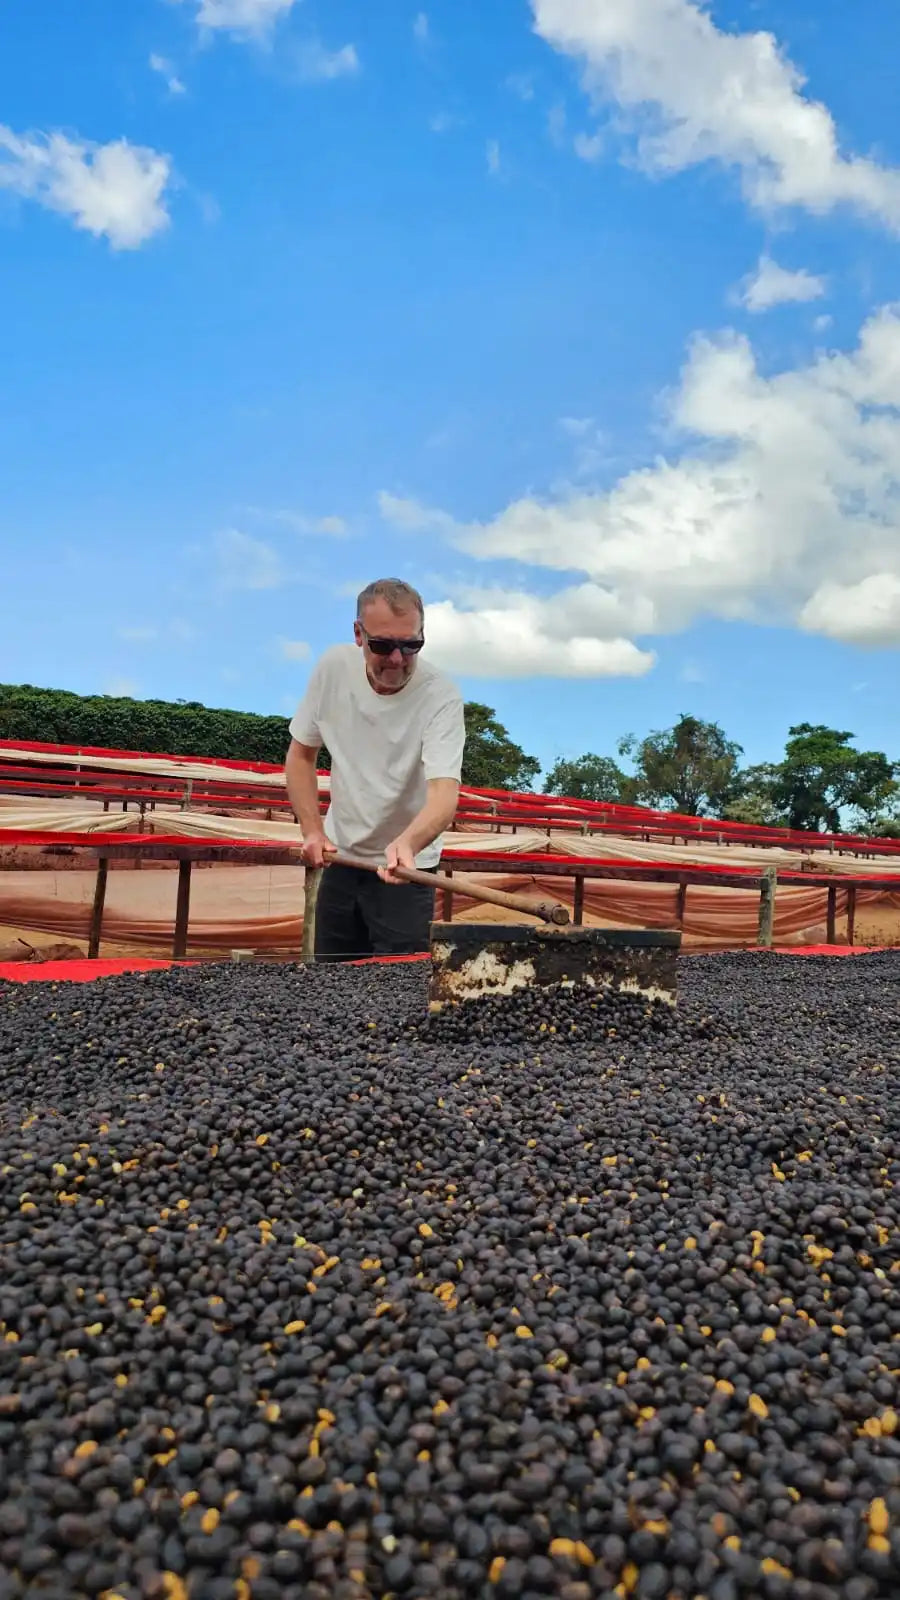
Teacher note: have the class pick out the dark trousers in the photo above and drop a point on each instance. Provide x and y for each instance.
(357, 915)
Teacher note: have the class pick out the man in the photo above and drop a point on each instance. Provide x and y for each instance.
(394, 728)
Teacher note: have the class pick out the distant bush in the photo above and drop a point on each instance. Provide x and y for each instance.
(161, 727)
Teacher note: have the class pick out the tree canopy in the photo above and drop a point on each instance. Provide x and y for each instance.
(492, 759)
(692, 768)
(822, 775)
(591, 777)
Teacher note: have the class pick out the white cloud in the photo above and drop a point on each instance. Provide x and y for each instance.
(316, 64)
(247, 563)
(293, 649)
(246, 18)
(518, 638)
(115, 190)
(577, 427)
(420, 28)
(121, 688)
(492, 154)
(698, 93)
(443, 122)
(410, 516)
(331, 527)
(783, 508)
(164, 68)
(589, 146)
(822, 324)
(772, 285)
(866, 613)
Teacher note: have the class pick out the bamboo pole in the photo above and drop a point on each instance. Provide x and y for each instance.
(851, 914)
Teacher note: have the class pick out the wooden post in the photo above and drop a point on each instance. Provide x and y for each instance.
(447, 900)
(767, 890)
(311, 886)
(578, 909)
(97, 910)
(831, 933)
(851, 914)
(680, 903)
(182, 910)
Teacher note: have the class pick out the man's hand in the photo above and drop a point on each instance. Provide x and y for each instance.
(398, 854)
(317, 849)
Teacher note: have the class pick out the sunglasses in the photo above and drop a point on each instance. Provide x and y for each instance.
(386, 647)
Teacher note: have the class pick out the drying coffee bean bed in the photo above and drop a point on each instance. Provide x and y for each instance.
(306, 1294)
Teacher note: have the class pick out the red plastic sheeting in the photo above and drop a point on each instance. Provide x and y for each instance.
(74, 971)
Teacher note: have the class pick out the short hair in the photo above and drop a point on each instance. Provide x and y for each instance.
(399, 596)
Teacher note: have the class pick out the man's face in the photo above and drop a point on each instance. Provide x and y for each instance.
(388, 673)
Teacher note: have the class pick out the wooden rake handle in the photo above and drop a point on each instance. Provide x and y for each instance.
(544, 910)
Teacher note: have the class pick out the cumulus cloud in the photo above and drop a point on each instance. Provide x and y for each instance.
(783, 507)
(697, 93)
(249, 18)
(421, 29)
(517, 639)
(410, 516)
(492, 154)
(248, 563)
(316, 64)
(772, 285)
(115, 190)
(867, 612)
(164, 69)
(331, 526)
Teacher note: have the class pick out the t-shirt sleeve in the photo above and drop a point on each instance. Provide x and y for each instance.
(305, 721)
(444, 741)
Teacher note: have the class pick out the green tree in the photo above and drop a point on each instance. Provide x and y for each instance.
(822, 775)
(591, 777)
(755, 803)
(492, 760)
(691, 768)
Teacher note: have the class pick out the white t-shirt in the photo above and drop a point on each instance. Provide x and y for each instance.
(384, 748)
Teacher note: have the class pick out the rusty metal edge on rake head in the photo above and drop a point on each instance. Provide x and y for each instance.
(472, 960)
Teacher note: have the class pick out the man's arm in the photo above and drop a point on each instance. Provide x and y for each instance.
(303, 793)
(434, 818)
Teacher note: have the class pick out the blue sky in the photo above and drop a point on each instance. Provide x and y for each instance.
(577, 313)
